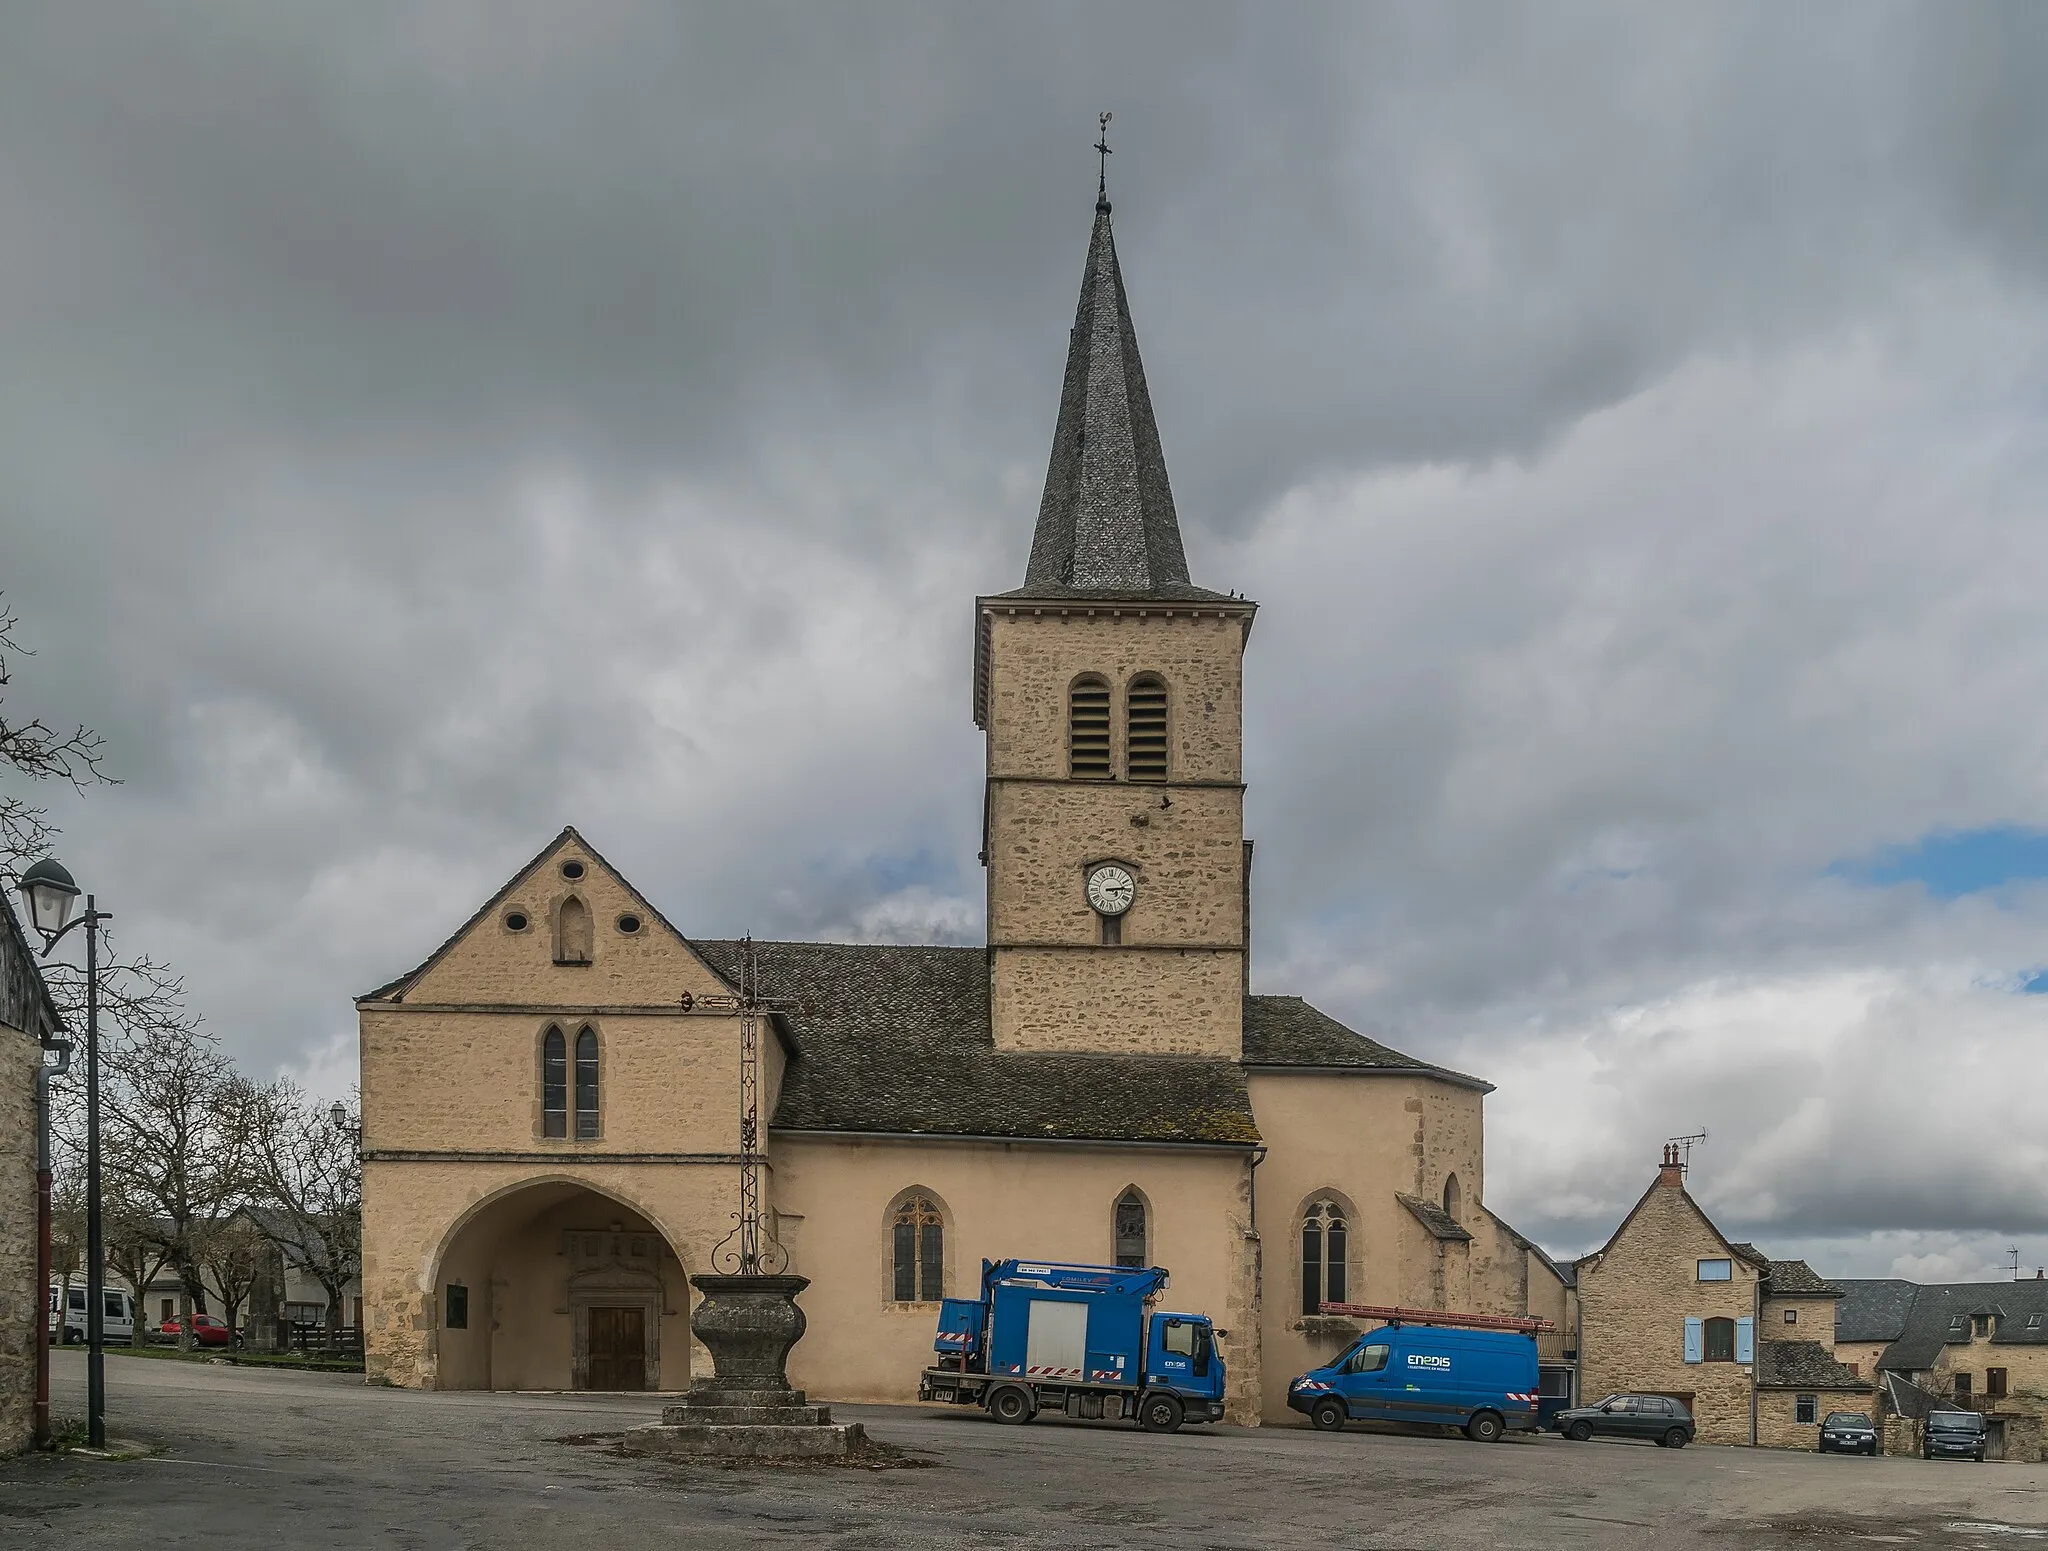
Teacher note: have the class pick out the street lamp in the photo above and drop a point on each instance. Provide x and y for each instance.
(339, 1115)
(51, 894)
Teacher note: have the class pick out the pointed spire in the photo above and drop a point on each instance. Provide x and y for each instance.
(1106, 520)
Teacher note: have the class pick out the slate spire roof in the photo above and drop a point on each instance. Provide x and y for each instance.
(1106, 520)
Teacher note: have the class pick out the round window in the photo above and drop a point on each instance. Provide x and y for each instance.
(629, 924)
(515, 920)
(572, 870)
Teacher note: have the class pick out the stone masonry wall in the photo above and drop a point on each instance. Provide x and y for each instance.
(21, 1305)
(1183, 1002)
(1635, 1298)
(1815, 1321)
(1777, 1414)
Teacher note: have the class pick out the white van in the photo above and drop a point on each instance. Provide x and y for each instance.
(118, 1324)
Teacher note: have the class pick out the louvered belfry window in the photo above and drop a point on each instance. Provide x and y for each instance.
(1146, 727)
(1088, 730)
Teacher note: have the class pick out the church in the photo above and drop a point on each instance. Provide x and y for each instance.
(552, 1136)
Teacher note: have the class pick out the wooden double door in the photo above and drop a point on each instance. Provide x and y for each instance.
(618, 1348)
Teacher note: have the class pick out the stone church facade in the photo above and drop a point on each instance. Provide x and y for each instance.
(550, 1120)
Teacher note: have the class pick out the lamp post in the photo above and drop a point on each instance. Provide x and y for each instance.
(51, 895)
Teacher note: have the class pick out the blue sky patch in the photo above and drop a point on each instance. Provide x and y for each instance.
(1954, 862)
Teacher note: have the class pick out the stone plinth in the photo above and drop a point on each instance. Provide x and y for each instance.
(745, 1409)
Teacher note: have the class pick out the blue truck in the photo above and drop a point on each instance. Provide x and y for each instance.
(1080, 1340)
(1421, 1367)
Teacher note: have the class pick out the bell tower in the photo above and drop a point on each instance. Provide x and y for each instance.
(1109, 687)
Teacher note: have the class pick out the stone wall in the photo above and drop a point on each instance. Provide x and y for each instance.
(1635, 1297)
(1122, 1000)
(21, 1301)
(1777, 1414)
(1813, 1319)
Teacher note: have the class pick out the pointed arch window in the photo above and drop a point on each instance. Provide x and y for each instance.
(1145, 728)
(1127, 1229)
(917, 1235)
(1325, 1241)
(1088, 729)
(1454, 1199)
(554, 1084)
(586, 1085)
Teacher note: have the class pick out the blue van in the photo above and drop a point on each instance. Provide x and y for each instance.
(1481, 1380)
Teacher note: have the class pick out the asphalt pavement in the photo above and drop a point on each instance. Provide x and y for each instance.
(250, 1457)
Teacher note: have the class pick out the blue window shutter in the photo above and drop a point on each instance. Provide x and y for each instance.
(1745, 1340)
(1695, 1341)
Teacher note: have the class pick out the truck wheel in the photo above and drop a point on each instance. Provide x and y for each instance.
(1580, 1432)
(1485, 1427)
(1328, 1416)
(1675, 1439)
(1010, 1404)
(1159, 1413)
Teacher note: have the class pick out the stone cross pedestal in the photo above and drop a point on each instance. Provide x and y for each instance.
(746, 1408)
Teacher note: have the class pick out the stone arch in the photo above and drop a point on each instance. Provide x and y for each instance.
(918, 1209)
(1454, 1199)
(555, 1282)
(1131, 1209)
(1317, 1252)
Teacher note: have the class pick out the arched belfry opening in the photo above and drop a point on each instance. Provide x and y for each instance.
(1454, 1200)
(554, 1286)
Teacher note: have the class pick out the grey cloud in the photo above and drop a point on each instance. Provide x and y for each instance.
(432, 424)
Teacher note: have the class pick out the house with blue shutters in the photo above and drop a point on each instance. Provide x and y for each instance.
(1671, 1306)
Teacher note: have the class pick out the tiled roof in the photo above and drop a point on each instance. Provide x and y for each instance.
(899, 1043)
(1440, 1223)
(24, 997)
(1106, 519)
(1287, 1031)
(1797, 1279)
(1751, 1253)
(2011, 1307)
(1874, 1308)
(1805, 1365)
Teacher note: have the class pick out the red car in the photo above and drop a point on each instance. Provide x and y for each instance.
(206, 1331)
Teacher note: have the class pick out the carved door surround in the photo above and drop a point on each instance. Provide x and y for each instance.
(614, 1268)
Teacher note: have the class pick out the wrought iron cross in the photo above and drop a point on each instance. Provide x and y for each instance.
(1102, 158)
(751, 1249)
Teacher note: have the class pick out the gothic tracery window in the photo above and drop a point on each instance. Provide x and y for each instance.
(554, 1084)
(1325, 1240)
(918, 1249)
(586, 1085)
(1128, 1229)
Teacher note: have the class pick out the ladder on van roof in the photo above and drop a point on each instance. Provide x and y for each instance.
(1394, 1315)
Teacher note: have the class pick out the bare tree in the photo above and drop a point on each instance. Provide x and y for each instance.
(38, 752)
(174, 1134)
(309, 1173)
(228, 1253)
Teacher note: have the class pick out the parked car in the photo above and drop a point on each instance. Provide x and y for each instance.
(117, 1324)
(1664, 1421)
(1953, 1435)
(1848, 1432)
(206, 1331)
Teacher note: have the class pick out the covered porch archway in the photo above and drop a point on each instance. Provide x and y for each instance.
(557, 1286)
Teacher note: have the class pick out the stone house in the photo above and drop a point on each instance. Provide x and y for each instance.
(27, 1019)
(1980, 1346)
(1670, 1305)
(551, 1127)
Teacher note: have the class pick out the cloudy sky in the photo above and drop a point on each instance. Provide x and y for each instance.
(425, 425)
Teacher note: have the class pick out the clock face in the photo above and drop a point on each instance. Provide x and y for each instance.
(1111, 889)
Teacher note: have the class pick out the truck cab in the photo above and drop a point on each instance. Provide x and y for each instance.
(1081, 1340)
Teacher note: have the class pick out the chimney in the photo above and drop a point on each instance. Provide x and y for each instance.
(1672, 1173)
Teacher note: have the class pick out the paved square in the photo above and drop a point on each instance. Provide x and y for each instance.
(256, 1458)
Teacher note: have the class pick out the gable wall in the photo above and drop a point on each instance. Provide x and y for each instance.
(21, 1305)
(1816, 1321)
(1634, 1299)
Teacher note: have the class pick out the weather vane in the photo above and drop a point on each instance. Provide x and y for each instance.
(1102, 160)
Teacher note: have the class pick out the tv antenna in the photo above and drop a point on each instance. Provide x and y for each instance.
(2012, 1259)
(1684, 1146)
